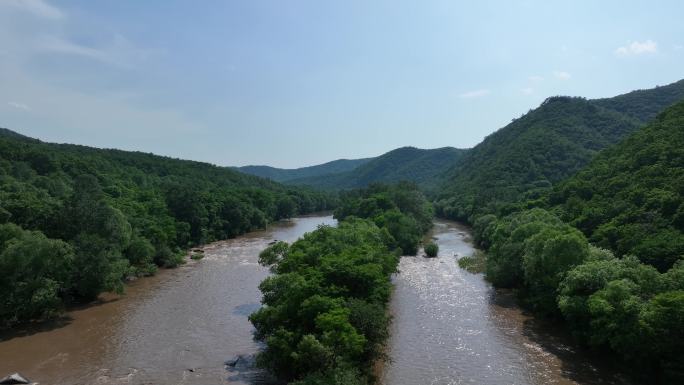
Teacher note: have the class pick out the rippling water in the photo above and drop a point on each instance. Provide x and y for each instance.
(177, 327)
(451, 327)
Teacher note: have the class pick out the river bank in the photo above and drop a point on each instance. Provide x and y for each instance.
(451, 327)
(176, 327)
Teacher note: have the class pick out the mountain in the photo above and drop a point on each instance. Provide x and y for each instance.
(76, 221)
(403, 164)
(644, 105)
(630, 199)
(548, 144)
(284, 175)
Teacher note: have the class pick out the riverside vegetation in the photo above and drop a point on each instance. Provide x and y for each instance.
(324, 317)
(77, 221)
(603, 249)
(578, 205)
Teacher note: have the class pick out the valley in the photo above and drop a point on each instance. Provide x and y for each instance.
(577, 205)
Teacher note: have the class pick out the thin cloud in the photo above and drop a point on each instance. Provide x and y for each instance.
(678, 47)
(474, 94)
(637, 48)
(562, 75)
(535, 78)
(38, 8)
(19, 106)
(120, 52)
(527, 91)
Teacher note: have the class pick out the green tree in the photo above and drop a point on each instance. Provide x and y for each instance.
(36, 274)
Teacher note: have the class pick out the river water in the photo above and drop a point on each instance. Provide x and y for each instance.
(451, 327)
(177, 327)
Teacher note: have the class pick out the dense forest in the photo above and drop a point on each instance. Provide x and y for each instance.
(76, 221)
(578, 204)
(284, 175)
(545, 146)
(324, 317)
(424, 167)
(629, 199)
(604, 250)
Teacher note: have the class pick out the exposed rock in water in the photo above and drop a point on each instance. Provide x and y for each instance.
(15, 378)
(232, 362)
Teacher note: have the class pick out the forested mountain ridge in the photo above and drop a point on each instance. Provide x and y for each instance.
(630, 199)
(604, 250)
(543, 147)
(76, 221)
(421, 166)
(284, 175)
(644, 105)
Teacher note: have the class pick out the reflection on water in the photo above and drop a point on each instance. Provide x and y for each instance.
(177, 327)
(451, 327)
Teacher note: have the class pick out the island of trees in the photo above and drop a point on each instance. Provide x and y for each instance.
(324, 317)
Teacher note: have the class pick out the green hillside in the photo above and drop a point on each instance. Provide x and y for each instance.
(423, 167)
(619, 282)
(76, 221)
(284, 175)
(630, 198)
(644, 105)
(546, 145)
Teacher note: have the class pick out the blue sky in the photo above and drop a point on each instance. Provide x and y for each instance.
(295, 83)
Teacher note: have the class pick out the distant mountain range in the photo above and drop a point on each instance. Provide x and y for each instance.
(284, 175)
(407, 163)
(546, 145)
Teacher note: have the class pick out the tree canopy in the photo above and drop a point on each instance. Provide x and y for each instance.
(100, 216)
(324, 318)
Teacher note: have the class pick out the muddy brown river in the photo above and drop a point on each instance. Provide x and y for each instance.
(178, 327)
(451, 327)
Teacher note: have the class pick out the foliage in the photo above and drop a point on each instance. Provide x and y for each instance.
(36, 273)
(324, 317)
(401, 209)
(110, 214)
(522, 161)
(623, 292)
(645, 105)
(629, 199)
(618, 304)
(431, 249)
(476, 263)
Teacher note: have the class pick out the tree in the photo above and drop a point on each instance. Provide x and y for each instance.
(36, 274)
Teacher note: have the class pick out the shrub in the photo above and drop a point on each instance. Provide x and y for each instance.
(431, 249)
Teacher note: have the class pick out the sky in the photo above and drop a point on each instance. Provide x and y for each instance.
(297, 83)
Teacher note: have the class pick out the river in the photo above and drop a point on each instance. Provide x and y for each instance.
(452, 327)
(177, 327)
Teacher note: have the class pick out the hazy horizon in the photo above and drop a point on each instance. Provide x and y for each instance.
(303, 83)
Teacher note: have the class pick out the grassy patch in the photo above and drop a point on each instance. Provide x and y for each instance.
(475, 263)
